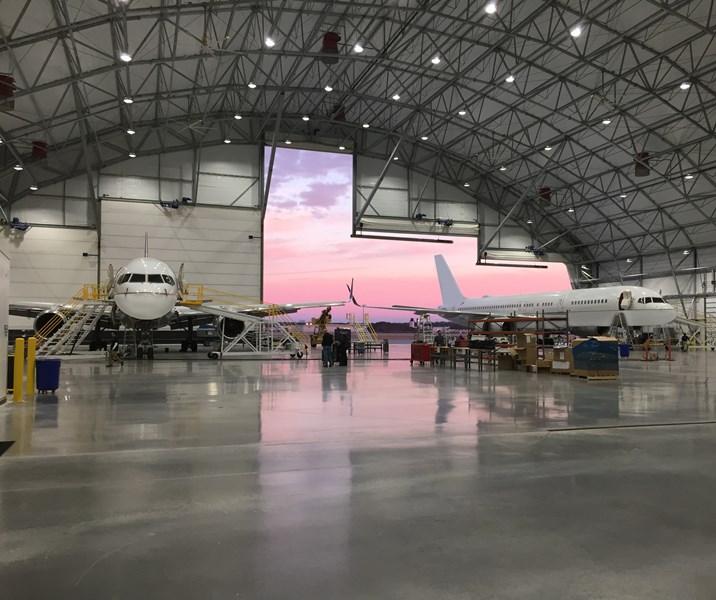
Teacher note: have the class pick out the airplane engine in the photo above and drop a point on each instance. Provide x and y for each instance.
(47, 323)
(232, 328)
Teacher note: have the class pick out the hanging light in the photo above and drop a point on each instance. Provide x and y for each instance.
(491, 8)
(305, 118)
(128, 100)
(18, 167)
(227, 141)
(131, 131)
(358, 48)
(510, 78)
(435, 60)
(33, 187)
(576, 31)
(238, 117)
(328, 88)
(252, 85)
(125, 57)
(132, 155)
(269, 42)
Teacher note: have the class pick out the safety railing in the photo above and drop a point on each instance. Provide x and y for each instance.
(89, 292)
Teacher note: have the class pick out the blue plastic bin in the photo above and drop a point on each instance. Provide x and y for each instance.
(624, 350)
(47, 373)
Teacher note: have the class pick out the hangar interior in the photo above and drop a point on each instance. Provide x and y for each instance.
(561, 131)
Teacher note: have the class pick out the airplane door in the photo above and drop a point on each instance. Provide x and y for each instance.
(625, 300)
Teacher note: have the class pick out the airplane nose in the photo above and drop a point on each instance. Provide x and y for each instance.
(145, 306)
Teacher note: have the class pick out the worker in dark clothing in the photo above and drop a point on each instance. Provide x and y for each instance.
(327, 349)
(684, 343)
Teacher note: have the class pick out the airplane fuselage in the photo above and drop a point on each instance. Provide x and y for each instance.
(594, 307)
(145, 292)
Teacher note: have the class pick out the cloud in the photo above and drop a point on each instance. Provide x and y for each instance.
(324, 195)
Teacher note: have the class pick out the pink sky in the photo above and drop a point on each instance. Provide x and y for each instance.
(309, 254)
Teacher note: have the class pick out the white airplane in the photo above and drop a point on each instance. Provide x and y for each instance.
(587, 308)
(145, 295)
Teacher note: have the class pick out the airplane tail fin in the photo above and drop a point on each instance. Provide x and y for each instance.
(351, 295)
(449, 290)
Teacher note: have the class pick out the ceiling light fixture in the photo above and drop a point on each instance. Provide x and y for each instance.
(252, 85)
(630, 260)
(341, 147)
(510, 79)
(424, 138)
(33, 187)
(684, 85)
(606, 121)
(395, 158)
(576, 31)
(688, 176)
(462, 113)
(18, 167)
(396, 97)
(125, 57)
(328, 88)
(269, 42)
(358, 48)
(131, 131)
(288, 142)
(503, 168)
(570, 210)
(491, 8)
(238, 117)
(622, 195)
(466, 184)
(132, 155)
(687, 252)
(435, 60)
(305, 118)
(366, 125)
(529, 221)
(128, 100)
(227, 141)
(548, 148)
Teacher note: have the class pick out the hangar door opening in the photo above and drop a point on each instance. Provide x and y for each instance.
(309, 254)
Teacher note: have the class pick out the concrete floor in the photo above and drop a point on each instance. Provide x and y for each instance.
(179, 479)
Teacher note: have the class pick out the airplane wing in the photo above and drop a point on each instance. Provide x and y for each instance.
(31, 309)
(253, 310)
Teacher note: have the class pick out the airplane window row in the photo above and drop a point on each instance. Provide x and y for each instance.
(142, 278)
(594, 301)
(517, 305)
(651, 300)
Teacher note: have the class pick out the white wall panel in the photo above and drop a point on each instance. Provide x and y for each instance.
(212, 242)
(132, 188)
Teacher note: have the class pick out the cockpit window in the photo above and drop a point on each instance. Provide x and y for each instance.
(658, 300)
(168, 279)
(154, 278)
(137, 278)
(123, 279)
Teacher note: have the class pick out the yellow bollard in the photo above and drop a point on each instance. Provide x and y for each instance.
(31, 349)
(18, 370)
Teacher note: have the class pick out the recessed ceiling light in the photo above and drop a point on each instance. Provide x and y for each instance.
(687, 252)
(18, 167)
(466, 184)
(252, 85)
(424, 138)
(328, 88)
(396, 97)
(33, 187)
(125, 57)
(510, 78)
(127, 100)
(462, 113)
(395, 158)
(358, 48)
(305, 118)
(529, 221)
(622, 195)
(570, 210)
(288, 142)
(688, 176)
(132, 155)
(548, 148)
(503, 168)
(491, 8)
(269, 42)
(630, 260)
(238, 117)
(131, 131)
(684, 85)
(341, 147)
(227, 141)
(576, 31)
(366, 125)
(435, 60)
(606, 121)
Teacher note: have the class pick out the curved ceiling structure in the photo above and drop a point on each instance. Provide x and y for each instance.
(574, 98)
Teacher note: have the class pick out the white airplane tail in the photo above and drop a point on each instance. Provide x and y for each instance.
(449, 290)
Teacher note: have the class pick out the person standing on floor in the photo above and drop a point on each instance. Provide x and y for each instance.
(327, 349)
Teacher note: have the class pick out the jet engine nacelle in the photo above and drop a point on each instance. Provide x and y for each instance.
(232, 328)
(46, 324)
